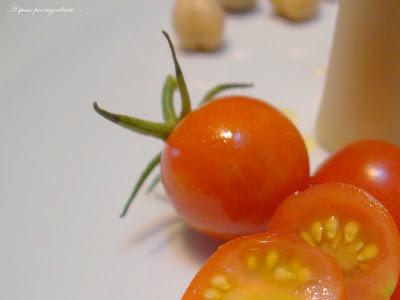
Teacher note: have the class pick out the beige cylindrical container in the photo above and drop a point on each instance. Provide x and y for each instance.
(362, 91)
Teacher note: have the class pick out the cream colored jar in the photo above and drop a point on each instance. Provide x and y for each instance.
(362, 92)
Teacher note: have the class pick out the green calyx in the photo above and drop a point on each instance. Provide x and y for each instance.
(160, 130)
(163, 129)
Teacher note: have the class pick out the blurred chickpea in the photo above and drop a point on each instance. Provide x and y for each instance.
(199, 24)
(296, 10)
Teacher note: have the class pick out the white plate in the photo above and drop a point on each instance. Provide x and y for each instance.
(65, 172)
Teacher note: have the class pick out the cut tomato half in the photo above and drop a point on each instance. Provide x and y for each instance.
(267, 267)
(353, 227)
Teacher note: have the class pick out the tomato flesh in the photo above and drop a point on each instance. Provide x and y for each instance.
(267, 266)
(353, 227)
(228, 165)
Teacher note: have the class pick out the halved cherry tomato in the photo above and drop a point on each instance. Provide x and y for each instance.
(229, 164)
(267, 266)
(371, 165)
(353, 227)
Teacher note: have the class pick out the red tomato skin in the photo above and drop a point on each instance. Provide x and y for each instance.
(396, 294)
(228, 165)
(371, 165)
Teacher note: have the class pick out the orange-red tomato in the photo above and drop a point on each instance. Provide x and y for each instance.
(371, 165)
(229, 164)
(353, 227)
(267, 266)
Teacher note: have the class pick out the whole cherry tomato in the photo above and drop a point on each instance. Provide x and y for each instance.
(227, 165)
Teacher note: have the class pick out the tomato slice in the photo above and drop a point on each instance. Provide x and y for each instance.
(267, 266)
(353, 227)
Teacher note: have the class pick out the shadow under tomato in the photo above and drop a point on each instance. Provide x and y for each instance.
(170, 233)
(193, 246)
(156, 227)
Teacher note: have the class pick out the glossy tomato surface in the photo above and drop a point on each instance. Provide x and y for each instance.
(229, 164)
(371, 165)
(352, 226)
(267, 266)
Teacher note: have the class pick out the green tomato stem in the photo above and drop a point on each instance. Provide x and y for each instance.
(150, 167)
(159, 130)
(168, 109)
(186, 105)
(162, 130)
(222, 87)
(154, 183)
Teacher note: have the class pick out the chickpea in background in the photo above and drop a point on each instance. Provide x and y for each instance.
(296, 10)
(199, 24)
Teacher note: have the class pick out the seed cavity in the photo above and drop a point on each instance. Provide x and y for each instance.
(212, 294)
(271, 259)
(308, 238)
(343, 242)
(270, 266)
(332, 226)
(350, 231)
(220, 282)
(282, 274)
(252, 262)
(304, 274)
(317, 230)
(295, 265)
(219, 286)
(336, 241)
(282, 269)
(358, 246)
(369, 252)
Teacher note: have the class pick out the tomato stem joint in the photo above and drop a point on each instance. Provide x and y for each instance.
(162, 130)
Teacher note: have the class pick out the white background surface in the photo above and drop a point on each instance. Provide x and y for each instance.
(65, 173)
